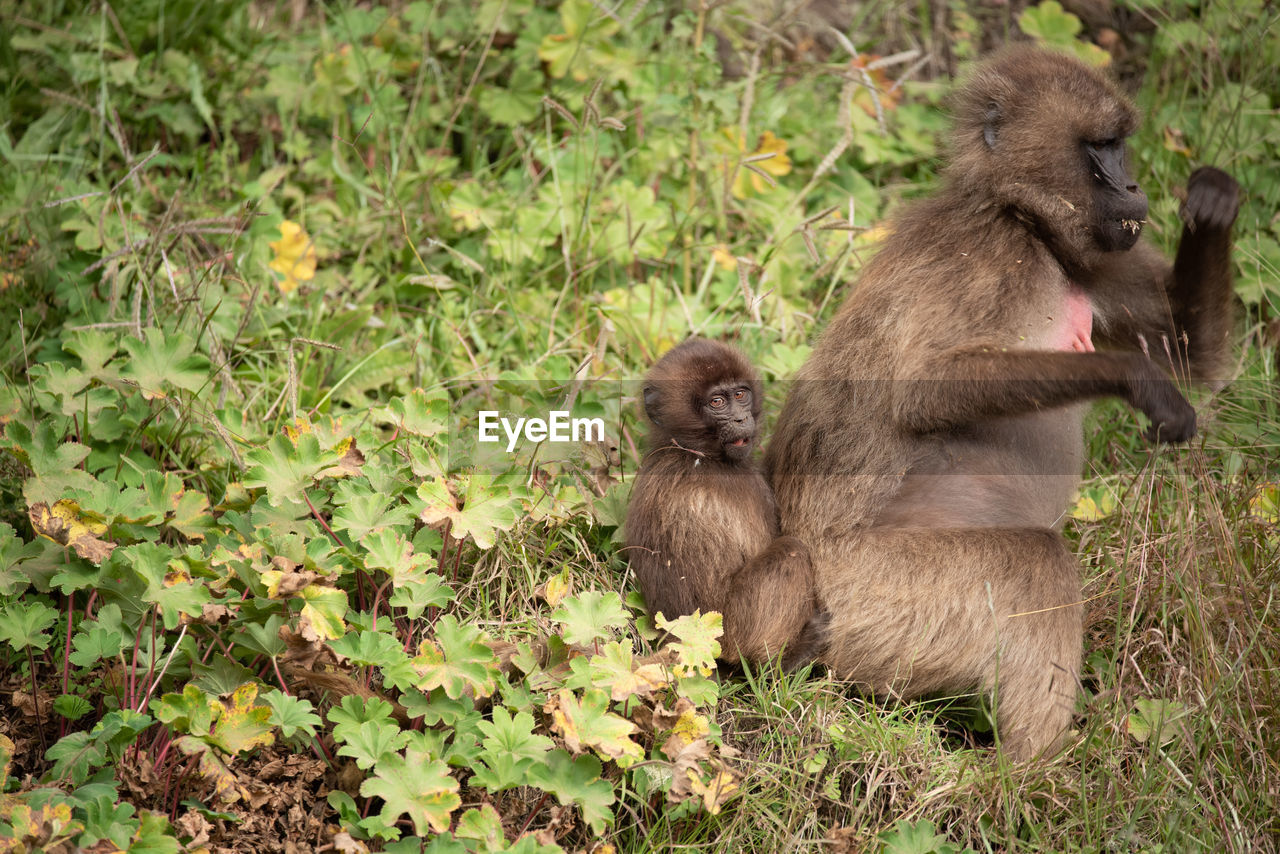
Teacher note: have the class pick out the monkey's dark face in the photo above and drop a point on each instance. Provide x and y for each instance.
(1119, 205)
(729, 411)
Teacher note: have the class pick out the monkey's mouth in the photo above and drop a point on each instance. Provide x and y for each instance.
(1121, 234)
(740, 443)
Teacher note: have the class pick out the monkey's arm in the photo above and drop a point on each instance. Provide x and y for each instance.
(1181, 315)
(769, 603)
(959, 387)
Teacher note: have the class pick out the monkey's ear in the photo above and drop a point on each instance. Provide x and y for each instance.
(651, 399)
(991, 123)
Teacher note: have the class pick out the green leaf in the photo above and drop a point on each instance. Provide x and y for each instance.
(221, 676)
(165, 360)
(394, 553)
(94, 644)
(457, 661)
(416, 596)
(104, 818)
(168, 581)
(484, 825)
(23, 624)
(577, 781)
(369, 649)
(362, 512)
(154, 836)
(261, 637)
(497, 772)
(422, 413)
(353, 711)
(74, 757)
(918, 838)
(1052, 26)
(292, 714)
(487, 506)
(515, 103)
(371, 742)
(616, 669)
(54, 463)
(590, 615)
(417, 786)
(513, 736)
(192, 711)
(698, 646)
(284, 469)
(1154, 719)
(13, 551)
(72, 707)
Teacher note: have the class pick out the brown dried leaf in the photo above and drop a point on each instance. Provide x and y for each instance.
(192, 824)
(302, 651)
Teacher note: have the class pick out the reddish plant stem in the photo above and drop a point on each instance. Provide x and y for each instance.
(334, 537)
(533, 813)
(133, 665)
(66, 656)
(35, 699)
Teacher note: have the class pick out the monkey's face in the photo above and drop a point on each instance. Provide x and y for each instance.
(729, 411)
(1119, 205)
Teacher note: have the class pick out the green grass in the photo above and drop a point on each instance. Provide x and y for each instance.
(517, 207)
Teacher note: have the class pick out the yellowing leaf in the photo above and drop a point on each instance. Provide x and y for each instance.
(697, 648)
(1094, 504)
(226, 788)
(243, 725)
(691, 726)
(65, 524)
(724, 258)
(1264, 506)
(325, 609)
(295, 256)
(555, 589)
(590, 724)
(886, 93)
(716, 791)
(773, 161)
(1175, 141)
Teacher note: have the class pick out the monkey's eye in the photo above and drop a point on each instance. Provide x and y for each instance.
(717, 402)
(741, 394)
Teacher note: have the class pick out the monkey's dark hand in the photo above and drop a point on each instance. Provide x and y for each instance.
(810, 642)
(1172, 418)
(1213, 199)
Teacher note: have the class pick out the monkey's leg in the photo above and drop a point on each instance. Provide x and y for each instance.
(916, 611)
(769, 603)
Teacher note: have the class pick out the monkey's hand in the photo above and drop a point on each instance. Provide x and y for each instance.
(1213, 199)
(1172, 418)
(809, 644)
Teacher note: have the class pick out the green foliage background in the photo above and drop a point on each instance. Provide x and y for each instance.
(240, 521)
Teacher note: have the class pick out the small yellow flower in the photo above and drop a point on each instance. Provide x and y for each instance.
(295, 257)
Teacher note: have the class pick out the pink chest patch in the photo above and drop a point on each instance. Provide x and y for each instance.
(1072, 328)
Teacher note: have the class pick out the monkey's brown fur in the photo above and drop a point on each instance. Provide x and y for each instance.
(702, 527)
(930, 447)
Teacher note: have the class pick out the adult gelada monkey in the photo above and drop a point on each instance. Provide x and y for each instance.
(929, 449)
(702, 527)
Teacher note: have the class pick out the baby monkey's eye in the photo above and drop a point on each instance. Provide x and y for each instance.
(717, 402)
